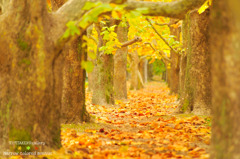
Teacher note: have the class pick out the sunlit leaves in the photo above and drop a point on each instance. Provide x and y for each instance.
(93, 14)
(90, 5)
(204, 6)
(72, 29)
(112, 43)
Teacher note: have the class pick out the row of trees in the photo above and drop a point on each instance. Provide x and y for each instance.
(33, 51)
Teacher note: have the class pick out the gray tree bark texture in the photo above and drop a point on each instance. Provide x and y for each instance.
(73, 96)
(120, 65)
(103, 92)
(225, 55)
(30, 96)
(197, 85)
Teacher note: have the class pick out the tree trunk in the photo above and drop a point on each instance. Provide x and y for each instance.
(103, 92)
(120, 65)
(73, 99)
(135, 82)
(168, 76)
(225, 42)
(174, 81)
(197, 96)
(150, 71)
(183, 63)
(143, 69)
(30, 88)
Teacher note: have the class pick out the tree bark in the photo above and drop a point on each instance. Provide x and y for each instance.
(135, 82)
(197, 85)
(225, 42)
(103, 92)
(150, 71)
(30, 88)
(174, 86)
(120, 65)
(73, 100)
(142, 66)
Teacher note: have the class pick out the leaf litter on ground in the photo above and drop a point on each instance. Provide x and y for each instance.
(142, 127)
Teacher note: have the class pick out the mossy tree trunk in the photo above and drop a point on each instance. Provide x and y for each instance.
(103, 92)
(197, 94)
(73, 99)
(73, 96)
(120, 65)
(30, 65)
(225, 55)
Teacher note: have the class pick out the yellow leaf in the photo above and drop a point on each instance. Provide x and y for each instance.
(203, 7)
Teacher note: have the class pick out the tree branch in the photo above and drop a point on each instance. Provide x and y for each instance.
(72, 9)
(175, 9)
(161, 53)
(168, 24)
(130, 42)
(174, 51)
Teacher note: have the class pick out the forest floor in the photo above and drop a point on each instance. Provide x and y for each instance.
(144, 126)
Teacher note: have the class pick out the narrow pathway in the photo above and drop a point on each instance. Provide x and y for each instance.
(141, 127)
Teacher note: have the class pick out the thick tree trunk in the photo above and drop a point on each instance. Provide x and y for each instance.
(174, 81)
(103, 92)
(225, 49)
(197, 85)
(73, 96)
(73, 99)
(201, 64)
(186, 94)
(120, 65)
(30, 88)
(135, 82)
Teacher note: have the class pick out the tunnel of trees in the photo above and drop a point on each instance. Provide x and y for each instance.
(61, 58)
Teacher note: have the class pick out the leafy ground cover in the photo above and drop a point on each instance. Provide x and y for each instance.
(144, 126)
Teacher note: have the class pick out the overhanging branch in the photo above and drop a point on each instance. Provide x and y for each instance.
(175, 9)
(164, 40)
(168, 24)
(161, 53)
(130, 42)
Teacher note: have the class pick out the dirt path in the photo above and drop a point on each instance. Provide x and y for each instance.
(141, 127)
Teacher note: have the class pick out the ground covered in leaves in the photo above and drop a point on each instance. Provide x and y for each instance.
(144, 126)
